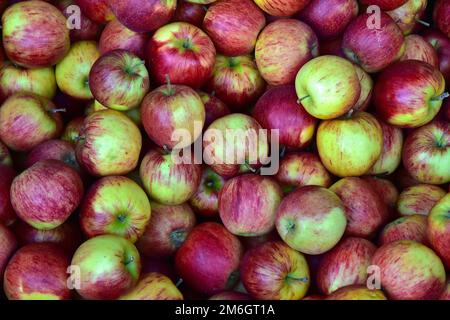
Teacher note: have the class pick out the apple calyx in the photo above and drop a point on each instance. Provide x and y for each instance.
(441, 97)
(178, 237)
(232, 62)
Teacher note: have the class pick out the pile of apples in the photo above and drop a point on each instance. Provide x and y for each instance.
(94, 205)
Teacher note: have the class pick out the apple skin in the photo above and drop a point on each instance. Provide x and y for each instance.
(110, 266)
(208, 261)
(89, 30)
(441, 16)
(329, 18)
(96, 10)
(35, 34)
(407, 93)
(106, 209)
(357, 292)
(282, 8)
(438, 230)
(236, 81)
(409, 271)
(248, 204)
(319, 86)
(167, 229)
(192, 13)
(53, 149)
(7, 247)
(170, 109)
(27, 119)
(5, 156)
(278, 108)
(72, 131)
(391, 155)
(344, 265)
(362, 132)
(214, 108)
(300, 169)
(413, 227)
(442, 45)
(274, 271)
(282, 48)
(205, 201)
(107, 133)
(7, 214)
(117, 36)
(308, 212)
(365, 211)
(417, 48)
(119, 80)
(384, 5)
(426, 155)
(230, 295)
(14, 79)
(373, 49)
(166, 181)
(143, 16)
(386, 191)
(233, 26)
(153, 286)
(419, 199)
(366, 84)
(227, 153)
(47, 263)
(406, 16)
(182, 52)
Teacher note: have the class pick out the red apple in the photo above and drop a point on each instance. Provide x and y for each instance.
(153, 286)
(7, 214)
(205, 201)
(385, 189)
(72, 131)
(366, 84)
(417, 48)
(419, 199)
(234, 25)
(209, 259)
(96, 10)
(442, 45)
(357, 292)
(344, 265)
(438, 230)
(384, 5)
(273, 271)
(329, 18)
(182, 53)
(214, 107)
(403, 179)
(230, 295)
(35, 34)
(413, 227)
(88, 29)
(189, 12)
(373, 48)
(37, 272)
(441, 16)
(143, 15)
(282, 8)
(7, 247)
(408, 15)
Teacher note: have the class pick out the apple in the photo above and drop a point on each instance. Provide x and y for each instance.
(403, 179)
(274, 271)
(234, 144)
(72, 131)
(365, 211)
(72, 72)
(298, 169)
(384, 5)
(412, 227)
(344, 265)
(153, 286)
(214, 107)
(109, 265)
(117, 36)
(88, 29)
(350, 146)
(96, 10)
(143, 15)
(7, 247)
(167, 181)
(119, 80)
(189, 12)
(109, 144)
(5, 156)
(167, 229)
(373, 48)
(182, 53)
(328, 87)
(27, 119)
(7, 214)
(407, 15)
(419, 199)
(248, 204)
(208, 261)
(442, 45)
(311, 219)
(409, 271)
(366, 84)
(236, 81)
(282, 8)
(426, 155)
(106, 209)
(385, 189)
(282, 48)
(357, 292)
(205, 201)
(329, 18)
(279, 109)
(417, 48)
(37, 272)
(233, 26)
(15, 79)
(441, 16)
(230, 295)
(170, 111)
(391, 154)
(35, 34)
(438, 229)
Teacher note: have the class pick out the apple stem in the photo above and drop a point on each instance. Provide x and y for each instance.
(166, 149)
(426, 24)
(349, 114)
(58, 110)
(213, 93)
(301, 99)
(441, 97)
(169, 84)
(249, 167)
(79, 138)
(282, 151)
(304, 279)
(179, 283)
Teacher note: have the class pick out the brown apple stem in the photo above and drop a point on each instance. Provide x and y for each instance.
(349, 114)
(58, 110)
(426, 24)
(169, 84)
(441, 97)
